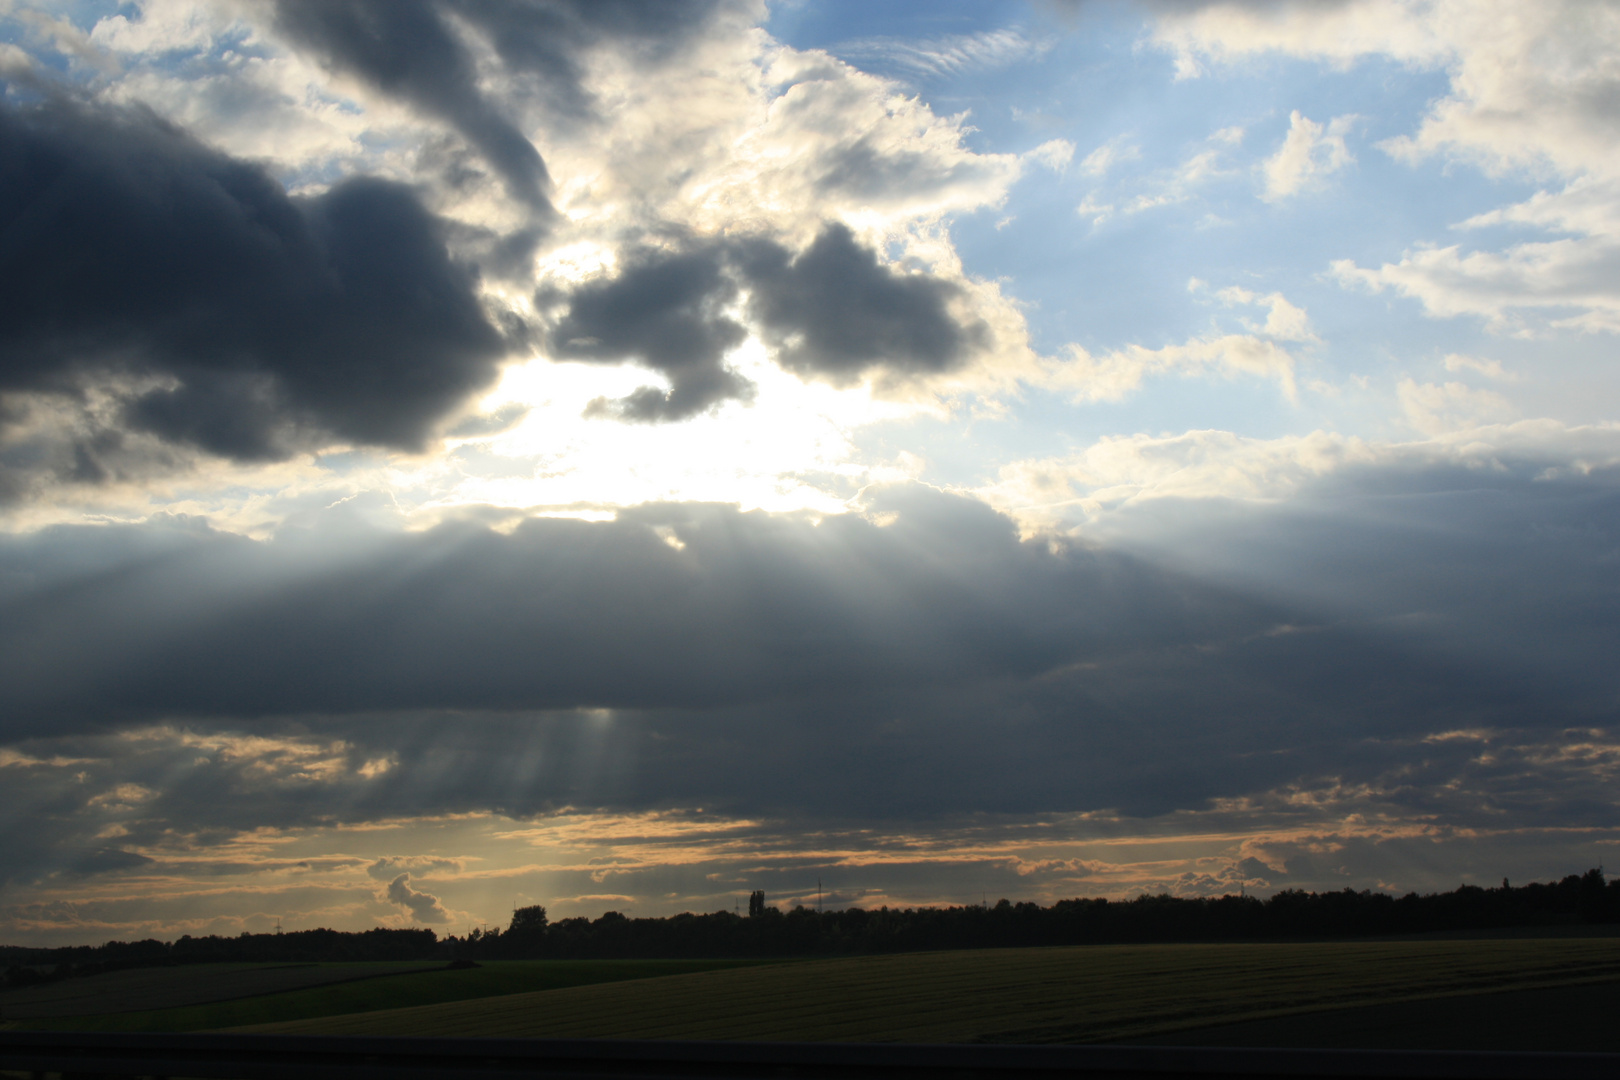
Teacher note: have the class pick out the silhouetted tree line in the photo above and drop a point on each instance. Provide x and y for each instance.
(767, 931)
(26, 966)
(1290, 914)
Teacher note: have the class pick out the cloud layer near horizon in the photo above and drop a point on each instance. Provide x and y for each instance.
(776, 668)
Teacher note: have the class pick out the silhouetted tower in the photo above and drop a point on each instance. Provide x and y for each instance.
(756, 903)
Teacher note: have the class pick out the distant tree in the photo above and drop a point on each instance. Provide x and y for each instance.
(525, 938)
(528, 920)
(756, 903)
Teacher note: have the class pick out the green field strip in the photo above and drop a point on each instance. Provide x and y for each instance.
(423, 988)
(1082, 994)
(144, 989)
(1578, 1017)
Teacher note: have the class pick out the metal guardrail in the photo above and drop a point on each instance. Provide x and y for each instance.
(293, 1057)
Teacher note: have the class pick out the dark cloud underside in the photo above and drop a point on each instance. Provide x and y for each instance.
(833, 312)
(666, 312)
(405, 48)
(837, 313)
(937, 665)
(129, 247)
(563, 614)
(758, 609)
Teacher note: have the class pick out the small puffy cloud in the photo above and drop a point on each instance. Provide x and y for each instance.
(1208, 162)
(1528, 289)
(1229, 31)
(1531, 90)
(1307, 154)
(122, 797)
(1436, 408)
(1095, 209)
(1491, 369)
(1112, 375)
(1054, 154)
(1113, 152)
(1284, 321)
(423, 907)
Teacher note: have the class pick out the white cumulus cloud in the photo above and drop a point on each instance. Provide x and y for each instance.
(1309, 153)
(423, 907)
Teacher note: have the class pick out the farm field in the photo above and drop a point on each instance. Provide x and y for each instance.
(1082, 994)
(170, 987)
(101, 1002)
(1580, 1017)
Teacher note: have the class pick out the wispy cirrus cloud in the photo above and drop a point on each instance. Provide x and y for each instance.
(954, 54)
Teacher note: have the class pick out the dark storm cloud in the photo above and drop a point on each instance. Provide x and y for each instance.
(106, 860)
(666, 312)
(1469, 561)
(936, 664)
(562, 614)
(772, 666)
(265, 321)
(541, 40)
(413, 50)
(405, 48)
(833, 311)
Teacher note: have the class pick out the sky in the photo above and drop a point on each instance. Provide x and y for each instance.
(463, 454)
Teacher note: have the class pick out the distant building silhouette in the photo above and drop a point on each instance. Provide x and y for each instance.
(756, 903)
